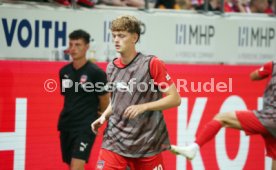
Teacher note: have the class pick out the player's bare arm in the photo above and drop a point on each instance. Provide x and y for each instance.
(171, 99)
(100, 121)
(255, 76)
(103, 102)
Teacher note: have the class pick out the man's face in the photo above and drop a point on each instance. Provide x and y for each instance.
(124, 40)
(77, 49)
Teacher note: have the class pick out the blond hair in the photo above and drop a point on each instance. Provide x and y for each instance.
(126, 23)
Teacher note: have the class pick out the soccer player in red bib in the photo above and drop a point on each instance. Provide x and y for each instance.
(262, 122)
(136, 132)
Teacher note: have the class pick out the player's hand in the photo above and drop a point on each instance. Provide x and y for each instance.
(97, 124)
(134, 110)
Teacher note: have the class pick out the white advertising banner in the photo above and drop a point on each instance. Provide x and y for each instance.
(41, 33)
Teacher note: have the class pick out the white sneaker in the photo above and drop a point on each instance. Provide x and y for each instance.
(188, 151)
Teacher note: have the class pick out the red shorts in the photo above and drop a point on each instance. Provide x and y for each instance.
(251, 125)
(109, 160)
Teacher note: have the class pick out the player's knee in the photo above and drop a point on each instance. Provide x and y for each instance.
(76, 168)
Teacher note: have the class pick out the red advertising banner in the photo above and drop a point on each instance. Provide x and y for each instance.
(30, 103)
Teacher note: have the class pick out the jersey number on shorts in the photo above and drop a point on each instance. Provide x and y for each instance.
(159, 167)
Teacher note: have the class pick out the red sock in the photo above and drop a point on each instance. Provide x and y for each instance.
(209, 131)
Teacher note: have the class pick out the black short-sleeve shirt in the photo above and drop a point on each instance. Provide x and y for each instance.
(80, 89)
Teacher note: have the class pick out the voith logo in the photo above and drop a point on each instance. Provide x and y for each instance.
(37, 33)
(7, 139)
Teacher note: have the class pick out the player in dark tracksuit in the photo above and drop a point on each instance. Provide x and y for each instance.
(82, 101)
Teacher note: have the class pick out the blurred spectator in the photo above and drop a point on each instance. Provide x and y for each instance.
(230, 6)
(174, 4)
(84, 3)
(236, 5)
(131, 3)
(63, 2)
(189, 4)
(244, 6)
(38, 0)
(271, 7)
(184, 4)
(213, 5)
(254, 6)
(165, 4)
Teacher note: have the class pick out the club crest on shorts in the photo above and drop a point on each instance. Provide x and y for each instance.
(100, 165)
